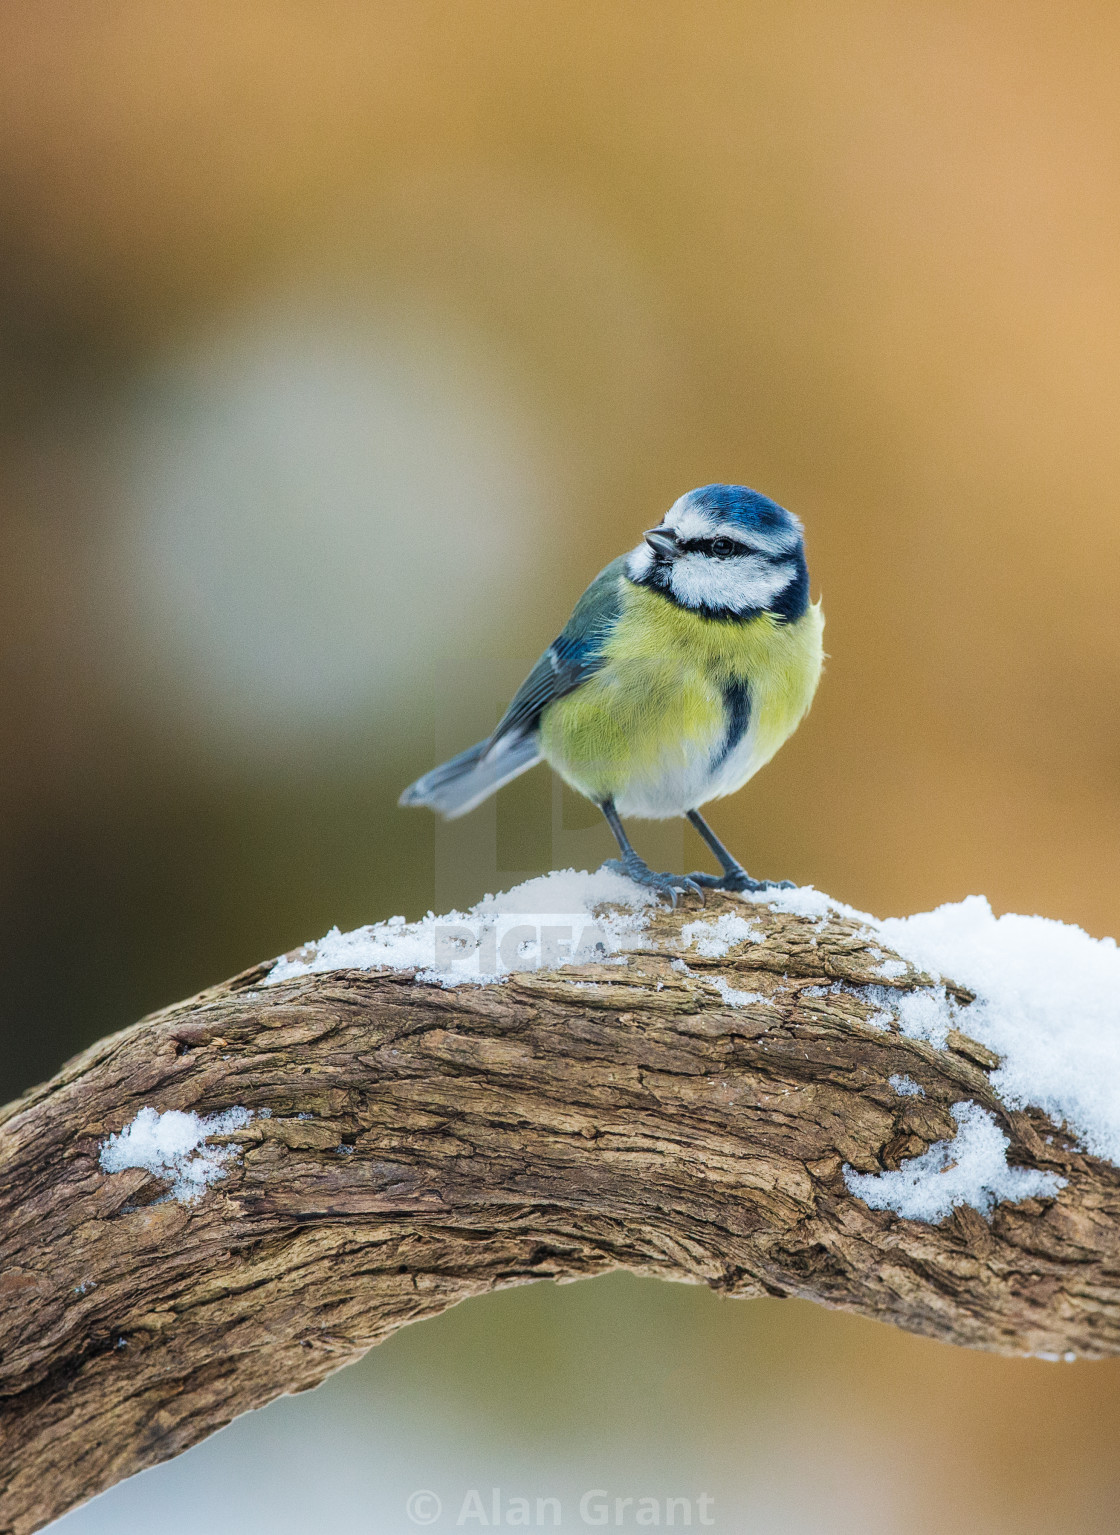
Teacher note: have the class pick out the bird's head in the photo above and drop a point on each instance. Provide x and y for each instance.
(726, 552)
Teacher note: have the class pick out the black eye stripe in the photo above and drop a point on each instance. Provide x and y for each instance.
(729, 547)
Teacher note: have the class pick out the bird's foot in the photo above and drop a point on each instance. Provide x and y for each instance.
(639, 871)
(739, 880)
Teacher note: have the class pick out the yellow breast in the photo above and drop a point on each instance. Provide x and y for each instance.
(647, 727)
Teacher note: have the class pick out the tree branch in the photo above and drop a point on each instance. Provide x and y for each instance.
(425, 1145)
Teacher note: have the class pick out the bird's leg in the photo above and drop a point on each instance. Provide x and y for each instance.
(734, 876)
(636, 868)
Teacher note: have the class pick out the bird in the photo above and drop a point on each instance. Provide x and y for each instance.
(683, 668)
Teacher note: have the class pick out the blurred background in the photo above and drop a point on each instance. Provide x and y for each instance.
(340, 345)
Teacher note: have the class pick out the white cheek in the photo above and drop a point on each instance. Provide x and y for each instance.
(639, 562)
(739, 584)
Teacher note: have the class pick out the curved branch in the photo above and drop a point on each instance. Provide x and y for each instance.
(412, 1146)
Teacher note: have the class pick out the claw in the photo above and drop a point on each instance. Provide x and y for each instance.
(739, 881)
(663, 883)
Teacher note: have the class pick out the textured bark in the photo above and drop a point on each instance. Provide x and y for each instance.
(426, 1145)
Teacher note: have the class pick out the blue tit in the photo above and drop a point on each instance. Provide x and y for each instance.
(684, 666)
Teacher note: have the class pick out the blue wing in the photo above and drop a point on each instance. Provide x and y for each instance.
(459, 785)
(571, 658)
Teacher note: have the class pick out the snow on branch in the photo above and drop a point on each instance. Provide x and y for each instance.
(916, 1119)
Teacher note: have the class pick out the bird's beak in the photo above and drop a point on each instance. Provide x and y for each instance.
(663, 543)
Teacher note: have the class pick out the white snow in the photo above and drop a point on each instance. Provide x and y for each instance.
(971, 1169)
(732, 997)
(1048, 1003)
(714, 939)
(173, 1146)
(927, 1014)
(893, 968)
(542, 923)
(906, 1087)
(803, 901)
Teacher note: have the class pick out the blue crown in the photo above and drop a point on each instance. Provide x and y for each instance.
(746, 509)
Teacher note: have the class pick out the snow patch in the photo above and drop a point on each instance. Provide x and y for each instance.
(540, 924)
(173, 1146)
(1047, 1002)
(926, 1014)
(714, 939)
(971, 1169)
(893, 968)
(732, 997)
(805, 901)
(906, 1087)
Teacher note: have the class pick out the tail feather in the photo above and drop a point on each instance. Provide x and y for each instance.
(465, 781)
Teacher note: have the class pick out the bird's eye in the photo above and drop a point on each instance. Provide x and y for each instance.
(723, 547)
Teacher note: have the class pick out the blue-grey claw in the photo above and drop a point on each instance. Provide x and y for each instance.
(739, 881)
(663, 883)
